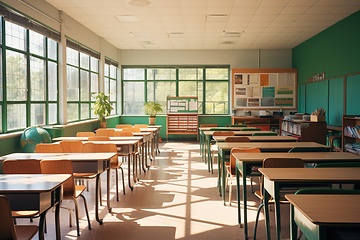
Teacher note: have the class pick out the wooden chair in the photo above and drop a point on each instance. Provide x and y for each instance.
(7, 228)
(70, 190)
(85, 134)
(48, 148)
(99, 138)
(124, 126)
(123, 134)
(309, 149)
(214, 148)
(250, 129)
(275, 163)
(105, 132)
(231, 166)
(114, 162)
(141, 125)
(237, 139)
(71, 146)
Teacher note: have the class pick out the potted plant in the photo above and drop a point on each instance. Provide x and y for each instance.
(151, 109)
(102, 107)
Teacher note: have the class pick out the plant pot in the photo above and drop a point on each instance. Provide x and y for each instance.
(102, 124)
(152, 120)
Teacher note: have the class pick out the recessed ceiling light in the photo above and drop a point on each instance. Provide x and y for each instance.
(176, 34)
(139, 3)
(127, 18)
(231, 34)
(227, 42)
(216, 17)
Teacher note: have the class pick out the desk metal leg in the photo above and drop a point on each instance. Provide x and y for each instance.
(97, 182)
(238, 196)
(219, 173)
(42, 224)
(266, 213)
(277, 212)
(129, 172)
(108, 189)
(57, 221)
(245, 202)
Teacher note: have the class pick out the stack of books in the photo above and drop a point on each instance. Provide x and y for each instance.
(353, 147)
(351, 131)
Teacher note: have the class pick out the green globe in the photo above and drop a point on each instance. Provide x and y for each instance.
(32, 136)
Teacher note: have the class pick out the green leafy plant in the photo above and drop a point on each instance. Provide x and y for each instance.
(152, 108)
(102, 107)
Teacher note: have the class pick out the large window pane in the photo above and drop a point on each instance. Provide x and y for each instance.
(38, 114)
(37, 43)
(52, 81)
(16, 76)
(190, 74)
(85, 111)
(72, 84)
(112, 90)
(15, 36)
(216, 98)
(85, 85)
(158, 91)
(16, 119)
(52, 49)
(134, 74)
(94, 64)
(52, 113)
(37, 78)
(73, 111)
(84, 61)
(94, 83)
(133, 97)
(161, 74)
(72, 57)
(217, 74)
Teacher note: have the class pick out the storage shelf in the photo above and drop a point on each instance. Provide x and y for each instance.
(351, 134)
(182, 124)
(305, 131)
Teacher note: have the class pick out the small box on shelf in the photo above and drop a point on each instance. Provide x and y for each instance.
(317, 118)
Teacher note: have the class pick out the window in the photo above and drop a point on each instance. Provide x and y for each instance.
(82, 81)
(209, 84)
(31, 80)
(110, 82)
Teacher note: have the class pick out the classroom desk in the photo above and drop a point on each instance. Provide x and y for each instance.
(317, 214)
(225, 147)
(208, 136)
(95, 163)
(246, 161)
(156, 137)
(261, 138)
(128, 147)
(276, 178)
(38, 192)
(203, 136)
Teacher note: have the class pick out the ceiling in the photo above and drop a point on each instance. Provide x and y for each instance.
(206, 24)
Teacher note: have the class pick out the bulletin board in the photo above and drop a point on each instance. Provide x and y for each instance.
(264, 88)
(186, 104)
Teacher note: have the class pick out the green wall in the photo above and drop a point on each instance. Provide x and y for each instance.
(336, 51)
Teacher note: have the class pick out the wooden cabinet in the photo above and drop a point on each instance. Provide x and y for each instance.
(306, 131)
(182, 124)
(351, 133)
(265, 123)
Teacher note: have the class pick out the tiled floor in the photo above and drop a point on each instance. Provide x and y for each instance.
(176, 199)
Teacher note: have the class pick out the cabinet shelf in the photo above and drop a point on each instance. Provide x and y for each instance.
(351, 133)
(182, 124)
(264, 123)
(305, 131)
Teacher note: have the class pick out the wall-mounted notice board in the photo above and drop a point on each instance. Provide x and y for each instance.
(186, 104)
(264, 88)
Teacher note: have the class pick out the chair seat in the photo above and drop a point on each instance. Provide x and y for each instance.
(84, 175)
(24, 231)
(25, 214)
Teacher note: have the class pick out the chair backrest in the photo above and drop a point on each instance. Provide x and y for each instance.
(237, 139)
(7, 228)
(26, 166)
(141, 125)
(209, 125)
(105, 132)
(109, 147)
(124, 126)
(123, 134)
(60, 167)
(307, 149)
(48, 148)
(99, 138)
(237, 125)
(261, 133)
(223, 133)
(72, 146)
(85, 134)
(220, 129)
(240, 150)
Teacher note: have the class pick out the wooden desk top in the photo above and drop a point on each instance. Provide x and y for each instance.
(305, 156)
(349, 175)
(10, 183)
(238, 133)
(86, 138)
(261, 138)
(327, 209)
(68, 156)
(267, 145)
(225, 128)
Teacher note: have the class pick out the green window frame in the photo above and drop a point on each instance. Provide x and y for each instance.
(110, 82)
(154, 83)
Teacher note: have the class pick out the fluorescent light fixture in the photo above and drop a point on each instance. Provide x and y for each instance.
(139, 3)
(231, 34)
(176, 34)
(216, 17)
